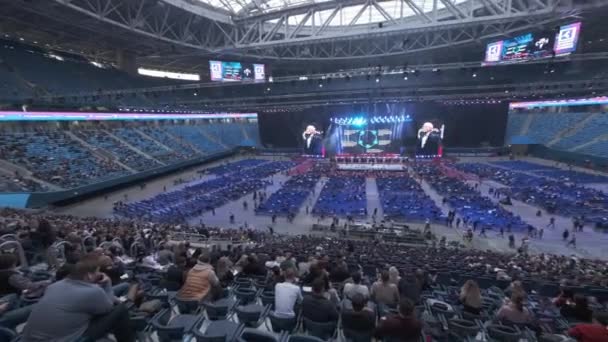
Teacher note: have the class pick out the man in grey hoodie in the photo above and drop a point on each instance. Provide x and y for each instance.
(81, 305)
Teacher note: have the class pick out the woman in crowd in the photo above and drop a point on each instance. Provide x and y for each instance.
(514, 311)
(470, 297)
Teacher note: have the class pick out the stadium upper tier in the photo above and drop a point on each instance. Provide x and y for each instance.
(584, 132)
(49, 159)
(26, 71)
(50, 78)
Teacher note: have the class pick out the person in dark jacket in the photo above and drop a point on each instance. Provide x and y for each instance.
(403, 326)
(253, 267)
(409, 288)
(579, 311)
(316, 307)
(360, 318)
(13, 282)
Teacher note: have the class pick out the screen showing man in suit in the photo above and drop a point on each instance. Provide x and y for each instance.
(429, 140)
(313, 141)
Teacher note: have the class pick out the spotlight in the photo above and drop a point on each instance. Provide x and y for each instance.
(405, 78)
(377, 79)
(320, 85)
(474, 75)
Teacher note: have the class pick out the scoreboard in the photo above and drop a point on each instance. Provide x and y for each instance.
(236, 71)
(533, 46)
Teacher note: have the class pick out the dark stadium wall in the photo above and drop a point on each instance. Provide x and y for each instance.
(470, 125)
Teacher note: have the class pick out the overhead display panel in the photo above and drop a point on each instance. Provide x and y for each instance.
(236, 71)
(531, 46)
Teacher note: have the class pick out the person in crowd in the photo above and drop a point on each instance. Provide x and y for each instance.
(404, 326)
(350, 289)
(409, 287)
(224, 271)
(515, 287)
(201, 281)
(393, 275)
(578, 310)
(286, 295)
(175, 275)
(12, 281)
(514, 311)
(384, 292)
(274, 277)
(597, 331)
(316, 307)
(115, 273)
(82, 305)
(253, 267)
(566, 295)
(360, 318)
(470, 297)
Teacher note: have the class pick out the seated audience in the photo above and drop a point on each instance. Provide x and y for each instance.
(403, 326)
(286, 295)
(201, 281)
(81, 305)
(316, 307)
(470, 297)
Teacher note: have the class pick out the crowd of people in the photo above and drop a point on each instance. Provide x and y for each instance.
(379, 289)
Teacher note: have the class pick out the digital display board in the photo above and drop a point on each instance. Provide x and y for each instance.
(533, 46)
(236, 71)
(567, 38)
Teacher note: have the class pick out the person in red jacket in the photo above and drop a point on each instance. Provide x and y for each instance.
(595, 332)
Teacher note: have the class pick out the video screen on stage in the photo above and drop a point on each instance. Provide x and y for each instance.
(381, 134)
(429, 142)
(236, 71)
(531, 46)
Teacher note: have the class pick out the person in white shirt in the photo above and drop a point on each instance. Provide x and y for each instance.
(350, 289)
(286, 295)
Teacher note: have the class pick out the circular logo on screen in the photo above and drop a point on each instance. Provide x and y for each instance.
(368, 139)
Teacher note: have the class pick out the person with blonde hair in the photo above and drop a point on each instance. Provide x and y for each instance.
(514, 311)
(393, 275)
(470, 297)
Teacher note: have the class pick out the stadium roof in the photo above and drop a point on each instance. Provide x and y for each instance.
(183, 34)
(359, 14)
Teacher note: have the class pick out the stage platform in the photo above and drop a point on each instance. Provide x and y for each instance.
(371, 167)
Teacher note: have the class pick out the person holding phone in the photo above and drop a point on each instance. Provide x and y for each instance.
(82, 305)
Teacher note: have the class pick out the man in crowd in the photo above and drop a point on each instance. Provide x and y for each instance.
(317, 307)
(286, 295)
(79, 306)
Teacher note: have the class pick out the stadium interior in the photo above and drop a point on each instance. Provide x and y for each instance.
(303, 170)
